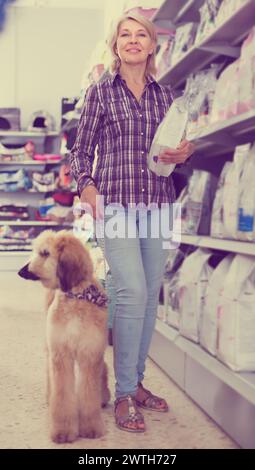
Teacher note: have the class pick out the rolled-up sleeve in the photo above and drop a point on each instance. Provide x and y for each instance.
(83, 152)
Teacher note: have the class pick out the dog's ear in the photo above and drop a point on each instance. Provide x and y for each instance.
(74, 264)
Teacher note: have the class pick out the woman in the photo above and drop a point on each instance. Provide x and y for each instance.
(120, 115)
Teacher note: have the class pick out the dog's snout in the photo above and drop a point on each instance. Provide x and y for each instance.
(26, 274)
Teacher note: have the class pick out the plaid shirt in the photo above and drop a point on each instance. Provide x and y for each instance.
(123, 129)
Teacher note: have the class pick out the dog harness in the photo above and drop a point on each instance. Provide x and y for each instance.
(91, 294)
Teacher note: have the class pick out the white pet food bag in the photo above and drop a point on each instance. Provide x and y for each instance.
(194, 275)
(246, 206)
(208, 333)
(169, 134)
(172, 301)
(217, 226)
(232, 189)
(236, 316)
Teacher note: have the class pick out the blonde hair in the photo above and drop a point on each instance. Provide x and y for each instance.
(112, 41)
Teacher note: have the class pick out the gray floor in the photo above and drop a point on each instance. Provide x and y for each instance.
(23, 410)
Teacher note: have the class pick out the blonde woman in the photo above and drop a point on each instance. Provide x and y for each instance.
(120, 116)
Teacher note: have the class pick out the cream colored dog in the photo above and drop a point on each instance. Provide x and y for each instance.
(76, 334)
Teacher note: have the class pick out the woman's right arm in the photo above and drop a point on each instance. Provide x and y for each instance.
(83, 152)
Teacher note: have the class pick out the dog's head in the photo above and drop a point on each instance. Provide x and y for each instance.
(59, 260)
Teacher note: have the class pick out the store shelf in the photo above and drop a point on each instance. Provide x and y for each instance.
(34, 162)
(28, 134)
(226, 135)
(168, 11)
(33, 223)
(226, 396)
(247, 248)
(226, 35)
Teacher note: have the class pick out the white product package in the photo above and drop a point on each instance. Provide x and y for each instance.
(169, 134)
(231, 191)
(217, 227)
(208, 332)
(236, 316)
(246, 206)
(172, 301)
(193, 279)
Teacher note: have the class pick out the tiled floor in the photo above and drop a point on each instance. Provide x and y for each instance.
(23, 411)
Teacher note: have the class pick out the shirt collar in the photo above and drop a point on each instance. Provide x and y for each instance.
(150, 78)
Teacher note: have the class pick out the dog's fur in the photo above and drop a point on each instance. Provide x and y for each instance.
(76, 334)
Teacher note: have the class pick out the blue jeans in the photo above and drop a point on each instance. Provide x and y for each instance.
(137, 264)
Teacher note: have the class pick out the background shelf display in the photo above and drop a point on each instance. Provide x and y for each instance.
(226, 396)
(235, 246)
(216, 44)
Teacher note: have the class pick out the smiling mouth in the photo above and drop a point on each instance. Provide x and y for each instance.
(133, 50)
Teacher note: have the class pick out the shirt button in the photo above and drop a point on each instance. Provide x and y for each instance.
(143, 189)
(141, 133)
(142, 152)
(142, 171)
(140, 115)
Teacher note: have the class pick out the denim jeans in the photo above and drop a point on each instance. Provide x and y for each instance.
(137, 265)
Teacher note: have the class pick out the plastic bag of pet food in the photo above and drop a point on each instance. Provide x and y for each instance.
(236, 316)
(225, 104)
(193, 279)
(231, 190)
(217, 226)
(208, 333)
(246, 206)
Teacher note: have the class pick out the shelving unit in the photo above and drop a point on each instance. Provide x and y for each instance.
(222, 41)
(226, 396)
(45, 142)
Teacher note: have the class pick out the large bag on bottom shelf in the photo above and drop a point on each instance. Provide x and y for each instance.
(208, 332)
(193, 279)
(236, 316)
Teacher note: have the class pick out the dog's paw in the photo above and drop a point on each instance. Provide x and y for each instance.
(63, 436)
(91, 427)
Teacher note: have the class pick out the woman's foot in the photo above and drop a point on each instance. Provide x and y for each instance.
(127, 417)
(145, 399)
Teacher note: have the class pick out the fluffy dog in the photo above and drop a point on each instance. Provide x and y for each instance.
(76, 334)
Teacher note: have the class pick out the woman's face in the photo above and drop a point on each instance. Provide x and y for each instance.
(134, 43)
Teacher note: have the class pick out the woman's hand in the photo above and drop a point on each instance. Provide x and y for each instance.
(90, 197)
(179, 155)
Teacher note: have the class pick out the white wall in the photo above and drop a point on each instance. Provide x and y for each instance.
(44, 50)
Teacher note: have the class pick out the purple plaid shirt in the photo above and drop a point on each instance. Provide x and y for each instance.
(123, 129)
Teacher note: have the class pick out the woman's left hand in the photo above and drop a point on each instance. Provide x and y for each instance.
(179, 155)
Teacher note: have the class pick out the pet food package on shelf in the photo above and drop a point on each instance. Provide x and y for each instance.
(231, 190)
(236, 316)
(217, 222)
(201, 87)
(197, 199)
(246, 205)
(184, 39)
(208, 332)
(246, 74)
(208, 12)
(225, 105)
(171, 295)
(227, 9)
(193, 279)
(169, 134)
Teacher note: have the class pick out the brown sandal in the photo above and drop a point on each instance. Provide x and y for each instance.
(152, 402)
(132, 416)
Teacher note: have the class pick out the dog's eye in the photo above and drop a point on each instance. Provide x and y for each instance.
(44, 253)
